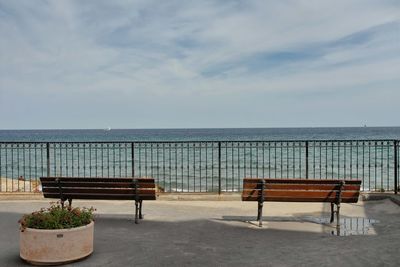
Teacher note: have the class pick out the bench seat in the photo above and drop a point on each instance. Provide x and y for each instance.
(68, 188)
(301, 190)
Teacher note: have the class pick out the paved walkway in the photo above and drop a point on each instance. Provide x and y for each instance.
(223, 233)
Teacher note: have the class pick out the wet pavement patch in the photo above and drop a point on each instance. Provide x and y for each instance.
(348, 225)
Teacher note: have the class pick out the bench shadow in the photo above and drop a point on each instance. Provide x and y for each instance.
(322, 222)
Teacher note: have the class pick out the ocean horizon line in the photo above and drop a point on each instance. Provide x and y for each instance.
(200, 128)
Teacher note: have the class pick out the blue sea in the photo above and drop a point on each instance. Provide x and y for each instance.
(228, 134)
(201, 166)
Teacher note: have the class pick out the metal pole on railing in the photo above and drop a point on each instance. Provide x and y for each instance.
(133, 159)
(48, 158)
(306, 159)
(219, 168)
(396, 163)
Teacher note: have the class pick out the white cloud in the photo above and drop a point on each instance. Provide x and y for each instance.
(175, 49)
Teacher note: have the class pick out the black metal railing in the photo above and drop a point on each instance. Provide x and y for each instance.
(202, 166)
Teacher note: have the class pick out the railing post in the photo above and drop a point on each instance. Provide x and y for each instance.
(133, 159)
(306, 159)
(396, 163)
(48, 158)
(219, 168)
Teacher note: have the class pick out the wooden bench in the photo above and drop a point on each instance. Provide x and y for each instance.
(68, 188)
(301, 190)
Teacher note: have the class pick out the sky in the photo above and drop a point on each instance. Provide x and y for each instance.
(199, 64)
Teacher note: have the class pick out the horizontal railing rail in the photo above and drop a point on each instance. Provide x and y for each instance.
(202, 166)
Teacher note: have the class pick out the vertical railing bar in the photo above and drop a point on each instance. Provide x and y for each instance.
(7, 157)
(344, 163)
(238, 163)
(48, 158)
(200, 144)
(357, 163)
(351, 159)
(232, 167)
(66, 159)
(219, 168)
(313, 159)
(226, 166)
(188, 166)
(369, 165)
(151, 160)
(251, 160)
(163, 153)
(320, 160)
(205, 152)
(306, 160)
(396, 164)
(133, 159)
(194, 167)
(281, 156)
(387, 144)
(18, 168)
(294, 158)
(158, 163)
(84, 160)
(326, 160)
(12, 168)
(375, 163)
(363, 164)
(72, 160)
(300, 156)
(176, 166)
(182, 187)
(381, 165)
(269, 160)
(212, 166)
(36, 165)
(263, 160)
(338, 159)
(287, 160)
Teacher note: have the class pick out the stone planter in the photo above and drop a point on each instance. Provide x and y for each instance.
(51, 247)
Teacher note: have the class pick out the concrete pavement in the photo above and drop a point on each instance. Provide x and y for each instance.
(222, 233)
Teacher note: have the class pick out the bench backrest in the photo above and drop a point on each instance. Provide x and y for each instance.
(301, 190)
(99, 188)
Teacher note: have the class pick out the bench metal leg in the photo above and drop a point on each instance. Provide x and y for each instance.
(136, 211)
(140, 209)
(338, 218)
(62, 201)
(332, 212)
(259, 215)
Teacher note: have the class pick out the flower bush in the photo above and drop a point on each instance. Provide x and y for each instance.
(57, 217)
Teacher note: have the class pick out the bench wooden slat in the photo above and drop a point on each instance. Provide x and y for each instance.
(299, 181)
(306, 199)
(109, 184)
(89, 190)
(100, 196)
(97, 179)
(300, 186)
(251, 194)
(80, 179)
